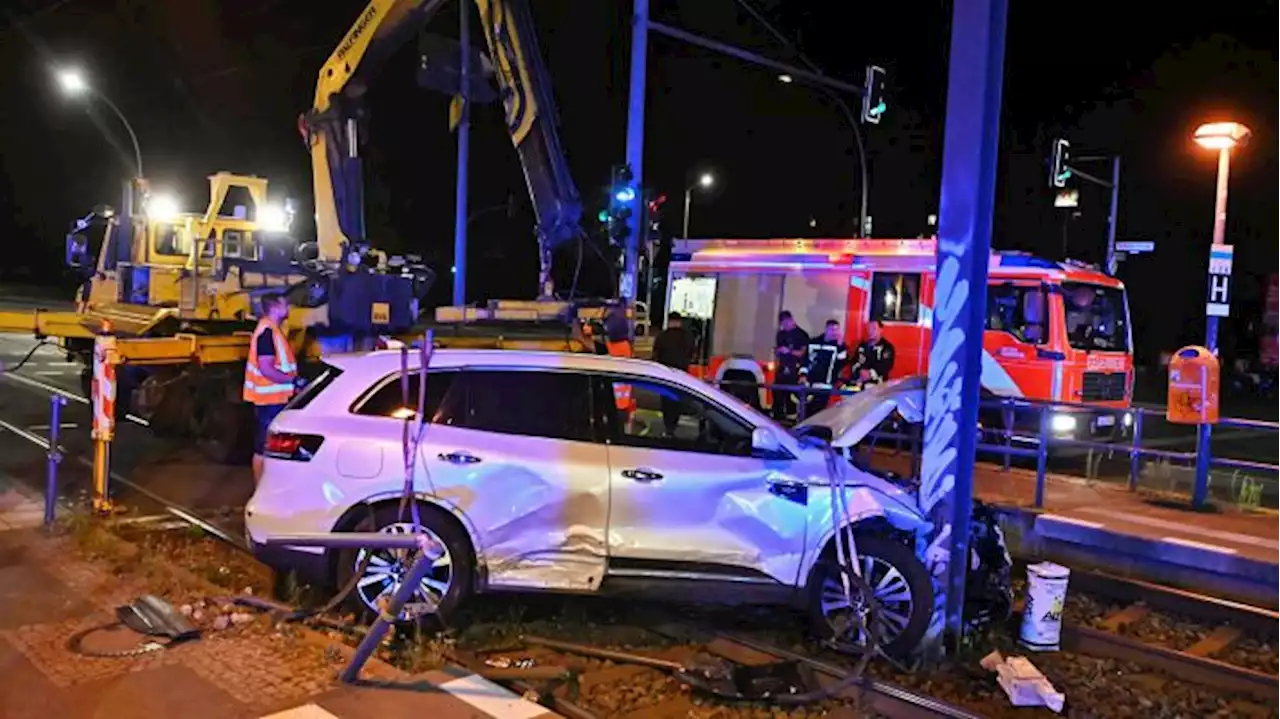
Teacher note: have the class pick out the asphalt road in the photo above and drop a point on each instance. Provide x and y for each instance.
(150, 473)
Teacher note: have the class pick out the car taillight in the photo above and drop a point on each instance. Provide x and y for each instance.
(287, 445)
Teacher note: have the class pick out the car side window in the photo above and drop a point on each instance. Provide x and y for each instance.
(667, 417)
(442, 405)
(530, 403)
(895, 296)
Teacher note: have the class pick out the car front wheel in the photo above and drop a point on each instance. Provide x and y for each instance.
(901, 589)
(381, 571)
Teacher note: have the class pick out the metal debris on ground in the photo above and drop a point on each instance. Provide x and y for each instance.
(1025, 685)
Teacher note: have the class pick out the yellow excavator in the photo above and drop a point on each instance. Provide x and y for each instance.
(178, 289)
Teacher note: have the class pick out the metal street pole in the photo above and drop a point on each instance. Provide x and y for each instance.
(970, 154)
(133, 137)
(635, 143)
(1113, 216)
(688, 199)
(464, 160)
(1200, 492)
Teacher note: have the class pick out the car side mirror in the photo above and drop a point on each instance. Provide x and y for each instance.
(764, 441)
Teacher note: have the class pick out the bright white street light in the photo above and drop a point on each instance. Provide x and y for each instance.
(785, 79)
(162, 207)
(707, 179)
(72, 82)
(1221, 135)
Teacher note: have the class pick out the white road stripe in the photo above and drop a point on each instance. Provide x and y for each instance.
(45, 427)
(52, 373)
(1198, 545)
(492, 699)
(306, 711)
(1183, 527)
(1070, 520)
(65, 393)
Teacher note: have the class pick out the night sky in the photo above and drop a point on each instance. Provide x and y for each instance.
(212, 85)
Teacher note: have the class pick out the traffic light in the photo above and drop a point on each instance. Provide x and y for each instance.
(655, 213)
(1059, 170)
(622, 192)
(873, 104)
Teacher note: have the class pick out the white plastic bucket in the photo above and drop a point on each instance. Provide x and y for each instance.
(1042, 612)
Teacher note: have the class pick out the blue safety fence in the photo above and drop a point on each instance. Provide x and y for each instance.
(1134, 445)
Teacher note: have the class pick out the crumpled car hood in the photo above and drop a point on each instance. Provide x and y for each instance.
(856, 416)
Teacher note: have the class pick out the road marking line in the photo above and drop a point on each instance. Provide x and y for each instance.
(1187, 528)
(1071, 520)
(1198, 545)
(306, 711)
(45, 427)
(492, 699)
(51, 373)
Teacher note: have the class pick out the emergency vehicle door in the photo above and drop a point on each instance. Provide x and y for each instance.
(1017, 361)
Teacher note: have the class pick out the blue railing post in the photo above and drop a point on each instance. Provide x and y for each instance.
(1006, 413)
(1135, 452)
(54, 457)
(1042, 456)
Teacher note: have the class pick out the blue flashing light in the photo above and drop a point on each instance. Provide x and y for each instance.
(1020, 259)
(625, 194)
(453, 270)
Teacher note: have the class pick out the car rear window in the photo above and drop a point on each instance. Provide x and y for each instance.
(318, 376)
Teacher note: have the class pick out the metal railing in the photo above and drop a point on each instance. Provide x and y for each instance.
(1129, 427)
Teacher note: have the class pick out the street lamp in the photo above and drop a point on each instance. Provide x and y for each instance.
(1220, 136)
(74, 84)
(705, 181)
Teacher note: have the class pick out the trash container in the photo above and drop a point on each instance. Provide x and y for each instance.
(1042, 611)
(1193, 387)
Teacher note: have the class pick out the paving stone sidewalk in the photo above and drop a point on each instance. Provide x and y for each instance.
(49, 592)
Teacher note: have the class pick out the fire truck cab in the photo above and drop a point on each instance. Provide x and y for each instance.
(1055, 331)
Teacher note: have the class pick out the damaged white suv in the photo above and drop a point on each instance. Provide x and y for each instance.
(534, 481)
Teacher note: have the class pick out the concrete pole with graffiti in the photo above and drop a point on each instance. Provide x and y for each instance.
(969, 160)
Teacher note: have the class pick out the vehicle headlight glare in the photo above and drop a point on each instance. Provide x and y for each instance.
(1062, 423)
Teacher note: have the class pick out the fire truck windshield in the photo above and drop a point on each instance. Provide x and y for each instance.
(1097, 317)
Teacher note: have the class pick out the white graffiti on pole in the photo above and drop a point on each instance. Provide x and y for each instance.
(942, 401)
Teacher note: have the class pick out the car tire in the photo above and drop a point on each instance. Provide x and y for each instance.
(902, 626)
(437, 523)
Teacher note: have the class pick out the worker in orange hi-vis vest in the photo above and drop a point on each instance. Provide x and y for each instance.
(270, 374)
(618, 341)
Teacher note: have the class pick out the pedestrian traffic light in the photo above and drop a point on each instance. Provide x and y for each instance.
(1059, 170)
(622, 192)
(655, 212)
(873, 104)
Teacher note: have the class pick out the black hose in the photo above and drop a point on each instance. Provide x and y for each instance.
(75, 643)
(23, 361)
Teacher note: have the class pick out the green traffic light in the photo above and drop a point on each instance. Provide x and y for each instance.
(603, 216)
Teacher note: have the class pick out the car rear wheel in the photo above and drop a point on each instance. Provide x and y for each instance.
(446, 584)
(901, 588)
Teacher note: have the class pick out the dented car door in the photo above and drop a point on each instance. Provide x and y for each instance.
(688, 499)
(519, 458)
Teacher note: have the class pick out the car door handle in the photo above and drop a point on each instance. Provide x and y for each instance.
(784, 482)
(641, 475)
(459, 458)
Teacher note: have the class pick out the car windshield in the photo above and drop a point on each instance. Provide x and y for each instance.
(1097, 317)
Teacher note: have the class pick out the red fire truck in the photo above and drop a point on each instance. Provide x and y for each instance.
(1054, 331)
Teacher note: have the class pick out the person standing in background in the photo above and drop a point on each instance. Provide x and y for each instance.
(827, 358)
(617, 334)
(874, 358)
(790, 345)
(271, 372)
(673, 347)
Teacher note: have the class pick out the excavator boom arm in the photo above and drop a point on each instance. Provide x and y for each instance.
(332, 127)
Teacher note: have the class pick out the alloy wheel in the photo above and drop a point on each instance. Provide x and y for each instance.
(387, 568)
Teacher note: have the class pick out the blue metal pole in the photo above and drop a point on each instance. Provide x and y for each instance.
(410, 583)
(1042, 455)
(54, 458)
(464, 160)
(970, 153)
(1135, 453)
(1200, 493)
(635, 144)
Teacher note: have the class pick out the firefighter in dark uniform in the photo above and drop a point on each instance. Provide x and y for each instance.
(874, 358)
(827, 359)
